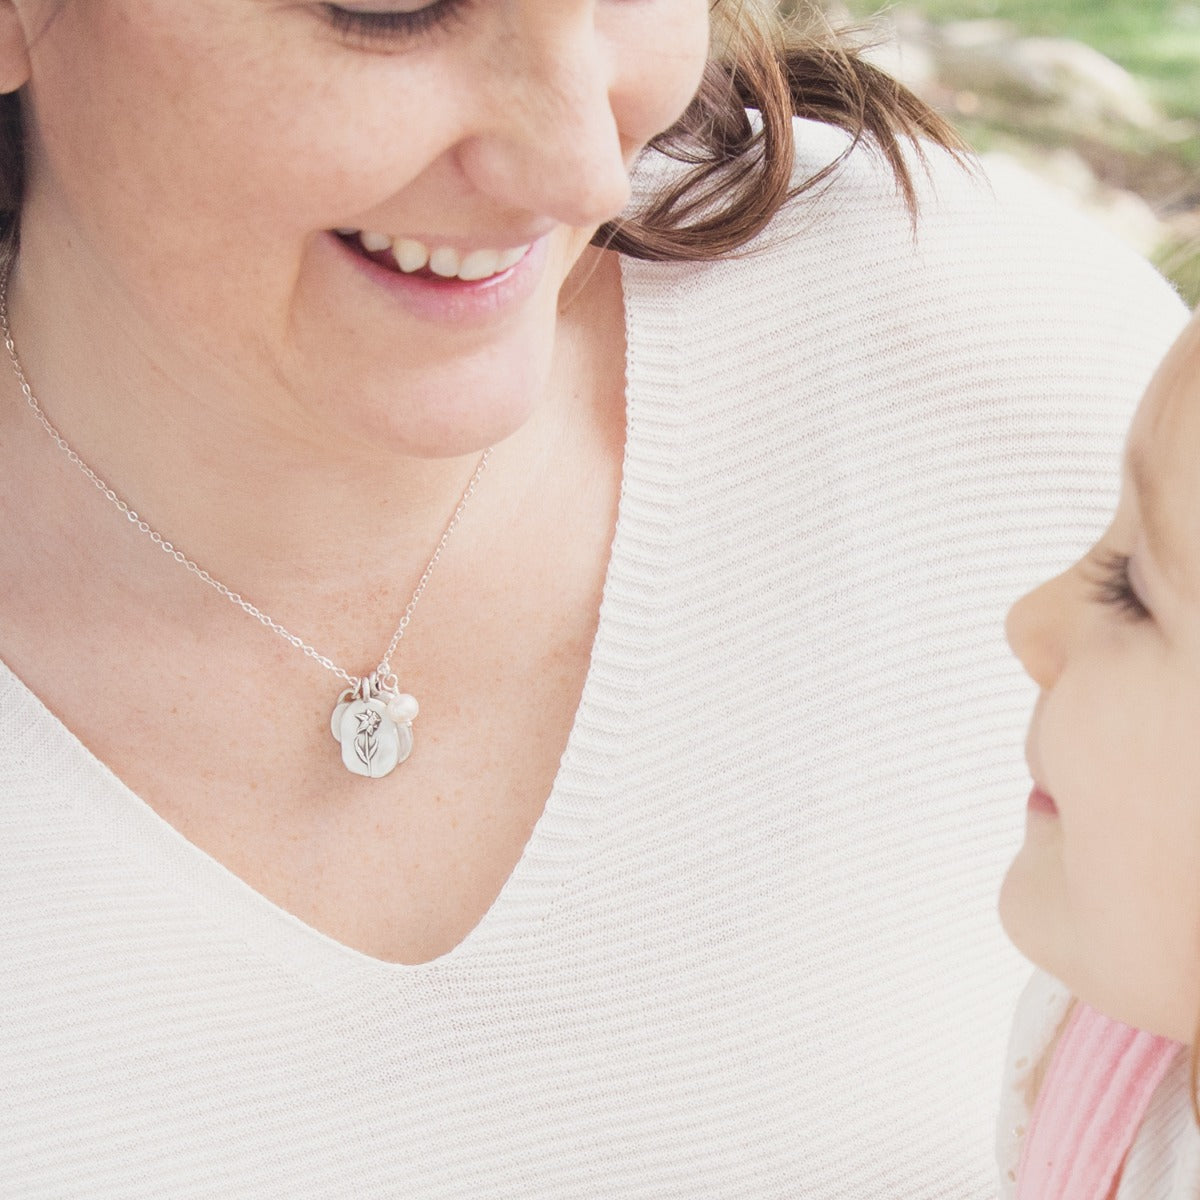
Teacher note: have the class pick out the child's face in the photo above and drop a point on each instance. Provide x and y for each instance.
(1105, 891)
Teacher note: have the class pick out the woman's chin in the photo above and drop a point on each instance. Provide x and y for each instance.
(446, 430)
(456, 410)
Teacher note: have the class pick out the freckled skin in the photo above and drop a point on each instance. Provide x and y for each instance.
(188, 319)
(205, 231)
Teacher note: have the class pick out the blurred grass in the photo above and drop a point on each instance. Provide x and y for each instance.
(1156, 40)
(1179, 261)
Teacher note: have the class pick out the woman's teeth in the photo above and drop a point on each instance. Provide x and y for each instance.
(444, 261)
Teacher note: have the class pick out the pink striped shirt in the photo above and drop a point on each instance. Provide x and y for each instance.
(1093, 1099)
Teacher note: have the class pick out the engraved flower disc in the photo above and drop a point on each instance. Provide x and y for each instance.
(373, 744)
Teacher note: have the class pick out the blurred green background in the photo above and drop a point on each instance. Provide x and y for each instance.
(1099, 99)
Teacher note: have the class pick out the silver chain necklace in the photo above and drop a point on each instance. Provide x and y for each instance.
(372, 719)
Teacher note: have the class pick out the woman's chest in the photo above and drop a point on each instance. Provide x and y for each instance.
(235, 750)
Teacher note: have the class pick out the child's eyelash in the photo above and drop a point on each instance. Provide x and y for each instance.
(392, 24)
(1113, 587)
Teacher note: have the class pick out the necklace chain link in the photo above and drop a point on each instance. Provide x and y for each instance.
(382, 675)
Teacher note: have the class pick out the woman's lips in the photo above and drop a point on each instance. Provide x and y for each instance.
(452, 300)
(1040, 802)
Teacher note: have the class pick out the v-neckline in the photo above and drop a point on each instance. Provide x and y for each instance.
(46, 749)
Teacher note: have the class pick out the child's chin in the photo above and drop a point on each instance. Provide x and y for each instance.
(1151, 993)
(1029, 913)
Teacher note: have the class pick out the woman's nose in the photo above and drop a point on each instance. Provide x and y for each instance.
(1036, 630)
(550, 142)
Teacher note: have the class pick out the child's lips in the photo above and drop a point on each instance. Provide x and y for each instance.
(1040, 802)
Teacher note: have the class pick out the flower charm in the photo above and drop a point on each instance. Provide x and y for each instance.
(366, 741)
(375, 732)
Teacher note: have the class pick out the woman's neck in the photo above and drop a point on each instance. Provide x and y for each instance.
(243, 482)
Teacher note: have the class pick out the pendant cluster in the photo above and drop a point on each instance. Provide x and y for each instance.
(373, 723)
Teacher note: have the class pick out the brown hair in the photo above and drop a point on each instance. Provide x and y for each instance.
(741, 172)
(12, 160)
(1194, 1076)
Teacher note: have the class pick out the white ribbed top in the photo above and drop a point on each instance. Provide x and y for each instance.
(750, 949)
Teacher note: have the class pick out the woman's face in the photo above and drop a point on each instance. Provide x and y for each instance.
(195, 161)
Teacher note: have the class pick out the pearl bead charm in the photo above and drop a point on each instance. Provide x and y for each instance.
(403, 708)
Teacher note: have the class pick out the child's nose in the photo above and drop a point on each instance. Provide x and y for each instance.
(1034, 629)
